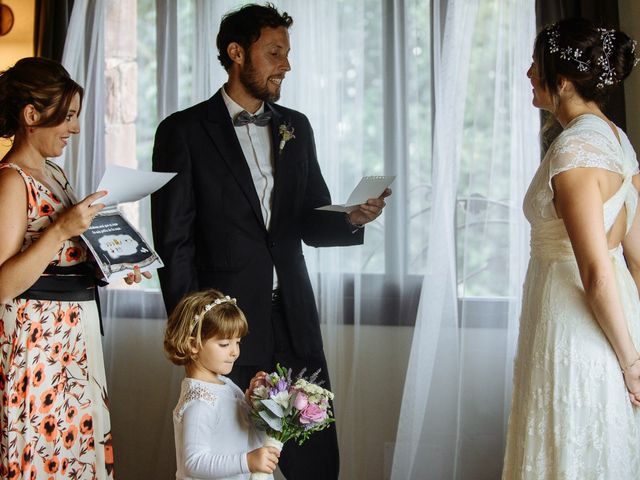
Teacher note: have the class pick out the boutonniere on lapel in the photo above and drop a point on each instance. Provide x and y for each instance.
(286, 134)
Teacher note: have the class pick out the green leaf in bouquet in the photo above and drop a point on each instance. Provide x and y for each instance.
(274, 422)
(274, 407)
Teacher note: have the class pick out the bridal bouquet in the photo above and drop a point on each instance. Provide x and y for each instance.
(289, 409)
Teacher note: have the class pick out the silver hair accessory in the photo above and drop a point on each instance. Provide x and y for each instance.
(634, 44)
(608, 75)
(566, 53)
(209, 306)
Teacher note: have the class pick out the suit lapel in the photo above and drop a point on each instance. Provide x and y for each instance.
(281, 178)
(220, 128)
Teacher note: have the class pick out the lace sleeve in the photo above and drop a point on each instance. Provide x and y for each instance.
(188, 395)
(581, 149)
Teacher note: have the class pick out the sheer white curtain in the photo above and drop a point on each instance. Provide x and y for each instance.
(83, 58)
(457, 385)
(433, 93)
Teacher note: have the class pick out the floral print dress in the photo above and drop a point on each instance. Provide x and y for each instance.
(54, 418)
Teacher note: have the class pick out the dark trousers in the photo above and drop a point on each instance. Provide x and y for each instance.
(318, 457)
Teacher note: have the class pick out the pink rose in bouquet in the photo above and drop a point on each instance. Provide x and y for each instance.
(312, 414)
(301, 401)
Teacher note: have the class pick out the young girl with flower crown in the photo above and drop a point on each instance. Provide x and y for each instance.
(213, 434)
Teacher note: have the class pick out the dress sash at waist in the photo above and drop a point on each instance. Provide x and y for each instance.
(550, 241)
(76, 283)
(70, 284)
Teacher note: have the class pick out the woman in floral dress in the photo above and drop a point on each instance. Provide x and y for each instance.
(54, 419)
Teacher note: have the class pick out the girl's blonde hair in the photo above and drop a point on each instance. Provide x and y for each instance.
(196, 319)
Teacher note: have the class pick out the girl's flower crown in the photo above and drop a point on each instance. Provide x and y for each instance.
(217, 301)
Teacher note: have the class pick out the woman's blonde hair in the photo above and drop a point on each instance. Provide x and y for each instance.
(197, 318)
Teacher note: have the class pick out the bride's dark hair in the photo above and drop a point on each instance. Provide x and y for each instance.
(594, 59)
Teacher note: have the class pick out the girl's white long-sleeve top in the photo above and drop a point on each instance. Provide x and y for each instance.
(213, 432)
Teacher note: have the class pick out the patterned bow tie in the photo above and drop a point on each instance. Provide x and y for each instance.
(245, 117)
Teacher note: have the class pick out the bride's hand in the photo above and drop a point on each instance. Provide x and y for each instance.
(632, 381)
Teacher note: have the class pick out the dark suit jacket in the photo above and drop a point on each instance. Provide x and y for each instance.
(209, 231)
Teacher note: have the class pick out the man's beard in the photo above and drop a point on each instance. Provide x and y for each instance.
(250, 81)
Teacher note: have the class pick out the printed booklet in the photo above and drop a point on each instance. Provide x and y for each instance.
(115, 244)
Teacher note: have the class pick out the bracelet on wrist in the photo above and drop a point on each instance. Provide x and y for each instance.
(625, 369)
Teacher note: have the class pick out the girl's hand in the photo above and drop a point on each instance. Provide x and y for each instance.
(136, 276)
(263, 459)
(75, 220)
(256, 381)
(632, 381)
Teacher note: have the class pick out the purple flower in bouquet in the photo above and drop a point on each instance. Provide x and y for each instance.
(281, 386)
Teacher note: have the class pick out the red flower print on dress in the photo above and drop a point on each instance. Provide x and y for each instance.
(15, 400)
(56, 348)
(66, 358)
(48, 428)
(63, 465)
(73, 254)
(33, 475)
(91, 444)
(108, 453)
(55, 198)
(51, 465)
(71, 414)
(23, 384)
(13, 472)
(35, 334)
(86, 424)
(32, 198)
(27, 456)
(69, 436)
(45, 209)
(38, 375)
(21, 316)
(33, 410)
(47, 399)
(72, 316)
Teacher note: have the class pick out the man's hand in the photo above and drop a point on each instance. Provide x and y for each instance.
(369, 211)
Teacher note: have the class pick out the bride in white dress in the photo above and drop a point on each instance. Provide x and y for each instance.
(575, 412)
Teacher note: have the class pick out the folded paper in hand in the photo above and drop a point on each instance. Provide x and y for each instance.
(369, 187)
(116, 245)
(128, 185)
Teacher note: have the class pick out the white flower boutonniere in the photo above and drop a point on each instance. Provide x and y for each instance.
(286, 134)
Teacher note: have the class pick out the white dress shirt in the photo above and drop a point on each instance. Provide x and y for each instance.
(256, 146)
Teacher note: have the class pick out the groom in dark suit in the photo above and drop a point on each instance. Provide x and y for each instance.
(243, 201)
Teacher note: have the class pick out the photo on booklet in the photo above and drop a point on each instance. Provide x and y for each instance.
(117, 246)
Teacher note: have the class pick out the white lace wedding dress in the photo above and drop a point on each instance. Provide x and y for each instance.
(571, 418)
